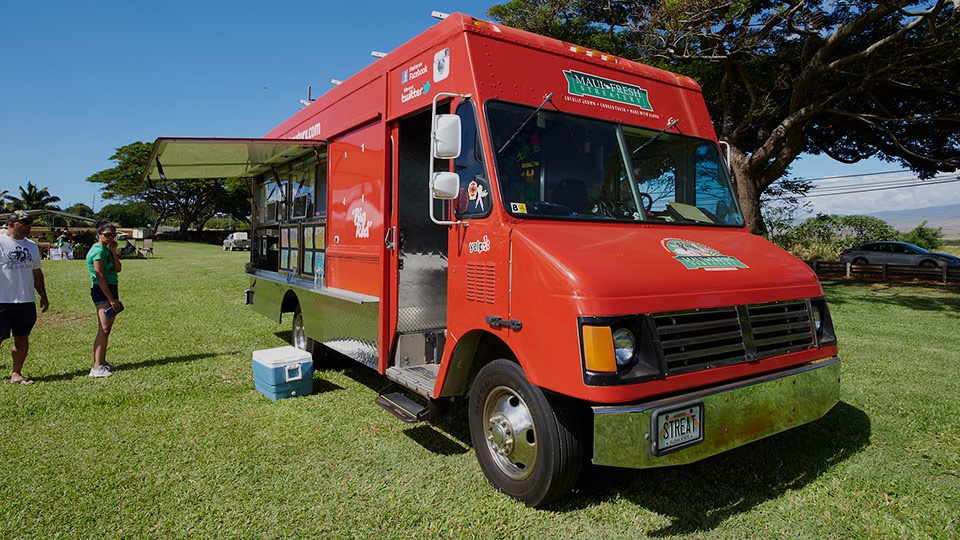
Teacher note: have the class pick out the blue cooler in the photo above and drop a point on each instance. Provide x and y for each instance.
(283, 372)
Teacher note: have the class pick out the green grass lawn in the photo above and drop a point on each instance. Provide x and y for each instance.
(178, 443)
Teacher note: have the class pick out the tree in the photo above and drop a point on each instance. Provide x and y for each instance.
(138, 214)
(858, 229)
(823, 236)
(192, 202)
(924, 236)
(80, 209)
(781, 78)
(34, 198)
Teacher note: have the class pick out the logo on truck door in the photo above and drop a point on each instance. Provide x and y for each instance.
(696, 256)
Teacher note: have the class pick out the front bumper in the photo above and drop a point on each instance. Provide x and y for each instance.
(733, 415)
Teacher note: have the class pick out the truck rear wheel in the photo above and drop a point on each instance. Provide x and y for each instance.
(527, 441)
(298, 335)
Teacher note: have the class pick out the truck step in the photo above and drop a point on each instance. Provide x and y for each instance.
(399, 404)
(419, 379)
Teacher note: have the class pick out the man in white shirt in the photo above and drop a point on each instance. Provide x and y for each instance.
(20, 276)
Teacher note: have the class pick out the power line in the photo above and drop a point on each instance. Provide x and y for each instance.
(882, 182)
(859, 175)
(893, 185)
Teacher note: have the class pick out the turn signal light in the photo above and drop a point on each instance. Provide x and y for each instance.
(598, 353)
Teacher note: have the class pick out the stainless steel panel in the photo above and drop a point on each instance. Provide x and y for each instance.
(734, 415)
(422, 302)
(341, 320)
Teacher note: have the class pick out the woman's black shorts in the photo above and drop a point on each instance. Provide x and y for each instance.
(99, 298)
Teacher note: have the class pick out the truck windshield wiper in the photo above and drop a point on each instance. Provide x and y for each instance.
(655, 137)
(519, 129)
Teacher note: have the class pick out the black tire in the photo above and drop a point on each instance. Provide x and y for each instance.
(928, 264)
(859, 260)
(528, 441)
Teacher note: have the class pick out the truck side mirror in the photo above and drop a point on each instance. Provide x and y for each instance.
(445, 185)
(446, 133)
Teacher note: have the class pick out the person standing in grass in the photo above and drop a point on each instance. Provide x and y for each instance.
(104, 265)
(20, 276)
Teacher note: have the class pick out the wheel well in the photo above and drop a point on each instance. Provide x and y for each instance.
(290, 303)
(475, 350)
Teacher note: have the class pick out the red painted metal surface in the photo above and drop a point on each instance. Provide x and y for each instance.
(543, 273)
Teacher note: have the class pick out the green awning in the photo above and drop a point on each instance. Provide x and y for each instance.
(177, 158)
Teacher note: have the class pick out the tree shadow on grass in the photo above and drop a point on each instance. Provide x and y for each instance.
(947, 303)
(436, 441)
(136, 365)
(701, 496)
(913, 296)
(697, 497)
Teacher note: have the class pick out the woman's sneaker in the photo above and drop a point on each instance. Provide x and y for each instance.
(110, 367)
(100, 372)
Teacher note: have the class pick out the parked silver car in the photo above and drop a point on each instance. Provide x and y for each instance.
(237, 240)
(896, 253)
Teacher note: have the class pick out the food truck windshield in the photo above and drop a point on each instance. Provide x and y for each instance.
(554, 165)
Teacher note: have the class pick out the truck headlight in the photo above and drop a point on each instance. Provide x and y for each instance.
(624, 346)
(619, 350)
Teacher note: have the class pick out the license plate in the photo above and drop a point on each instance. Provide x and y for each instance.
(677, 427)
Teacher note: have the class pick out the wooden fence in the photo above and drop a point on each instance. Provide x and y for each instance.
(885, 272)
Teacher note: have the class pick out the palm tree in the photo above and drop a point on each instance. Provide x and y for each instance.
(4, 195)
(34, 198)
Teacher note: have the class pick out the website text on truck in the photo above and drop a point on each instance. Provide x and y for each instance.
(543, 229)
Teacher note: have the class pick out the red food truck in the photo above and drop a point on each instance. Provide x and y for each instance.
(544, 229)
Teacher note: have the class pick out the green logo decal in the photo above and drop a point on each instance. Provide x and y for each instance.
(582, 84)
(696, 256)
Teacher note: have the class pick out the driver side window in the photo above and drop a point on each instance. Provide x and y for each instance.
(474, 200)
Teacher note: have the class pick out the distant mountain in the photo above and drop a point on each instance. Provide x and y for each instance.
(947, 217)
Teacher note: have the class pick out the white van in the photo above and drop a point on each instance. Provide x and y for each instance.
(237, 240)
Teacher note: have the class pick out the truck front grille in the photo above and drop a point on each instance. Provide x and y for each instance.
(706, 338)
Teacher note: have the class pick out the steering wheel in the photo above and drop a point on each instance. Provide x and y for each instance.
(646, 200)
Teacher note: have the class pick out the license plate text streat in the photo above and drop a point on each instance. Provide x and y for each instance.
(677, 427)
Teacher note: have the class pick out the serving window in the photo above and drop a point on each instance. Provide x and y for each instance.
(291, 209)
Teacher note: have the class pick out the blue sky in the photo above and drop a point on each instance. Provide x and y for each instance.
(80, 79)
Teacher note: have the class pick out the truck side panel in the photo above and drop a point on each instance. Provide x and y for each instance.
(355, 223)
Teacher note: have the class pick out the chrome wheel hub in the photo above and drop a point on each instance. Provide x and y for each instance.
(511, 433)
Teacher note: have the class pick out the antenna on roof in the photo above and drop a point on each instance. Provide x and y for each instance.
(378, 54)
(439, 15)
(309, 100)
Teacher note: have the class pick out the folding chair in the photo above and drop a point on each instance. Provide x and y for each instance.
(147, 248)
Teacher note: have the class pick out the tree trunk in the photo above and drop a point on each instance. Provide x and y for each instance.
(746, 190)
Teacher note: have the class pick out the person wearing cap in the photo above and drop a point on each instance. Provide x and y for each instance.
(20, 282)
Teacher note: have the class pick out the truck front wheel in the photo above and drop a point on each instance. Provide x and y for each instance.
(528, 441)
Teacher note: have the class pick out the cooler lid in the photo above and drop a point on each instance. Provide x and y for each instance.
(281, 356)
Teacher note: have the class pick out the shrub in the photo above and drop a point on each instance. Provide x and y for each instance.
(925, 237)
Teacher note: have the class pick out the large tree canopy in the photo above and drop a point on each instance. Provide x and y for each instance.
(193, 202)
(781, 78)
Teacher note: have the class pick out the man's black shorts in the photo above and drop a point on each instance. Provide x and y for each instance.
(17, 318)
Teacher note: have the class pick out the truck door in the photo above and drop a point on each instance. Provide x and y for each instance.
(422, 251)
